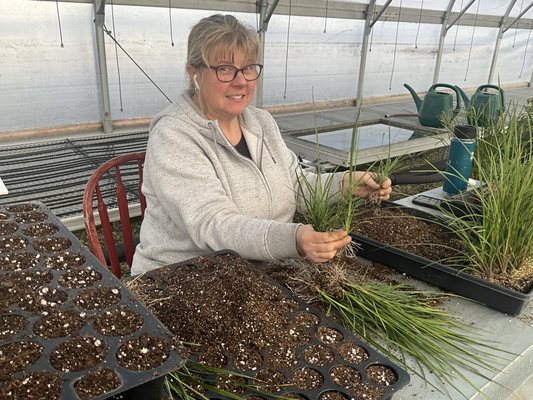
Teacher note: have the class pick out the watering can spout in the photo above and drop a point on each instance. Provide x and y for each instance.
(416, 98)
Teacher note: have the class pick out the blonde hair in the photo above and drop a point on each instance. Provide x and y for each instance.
(219, 37)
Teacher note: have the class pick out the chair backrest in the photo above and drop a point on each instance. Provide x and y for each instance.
(111, 187)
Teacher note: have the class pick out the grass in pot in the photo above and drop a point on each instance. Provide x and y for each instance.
(498, 245)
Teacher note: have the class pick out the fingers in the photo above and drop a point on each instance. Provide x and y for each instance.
(320, 246)
(386, 183)
(366, 185)
(362, 178)
(386, 189)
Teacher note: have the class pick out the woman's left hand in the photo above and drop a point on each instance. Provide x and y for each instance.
(365, 185)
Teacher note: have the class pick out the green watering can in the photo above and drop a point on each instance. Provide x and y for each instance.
(484, 108)
(435, 104)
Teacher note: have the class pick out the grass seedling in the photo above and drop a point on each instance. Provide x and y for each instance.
(325, 207)
(396, 317)
(193, 380)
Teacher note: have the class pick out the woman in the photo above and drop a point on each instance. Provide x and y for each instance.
(218, 174)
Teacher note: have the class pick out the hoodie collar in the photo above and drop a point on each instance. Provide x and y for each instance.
(206, 127)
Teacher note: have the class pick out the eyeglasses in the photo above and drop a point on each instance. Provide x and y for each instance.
(227, 73)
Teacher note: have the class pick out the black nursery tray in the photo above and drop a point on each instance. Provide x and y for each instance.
(55, 297)
(495, 296)
(312, 330)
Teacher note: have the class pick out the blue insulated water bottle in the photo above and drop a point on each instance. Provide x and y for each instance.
(459, 161)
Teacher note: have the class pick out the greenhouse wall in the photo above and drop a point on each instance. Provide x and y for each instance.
(45, 83)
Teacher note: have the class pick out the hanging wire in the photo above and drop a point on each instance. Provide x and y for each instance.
(287, 50)
(326, 16)
(170, 22)
(59, 22)
(525, 52)
(516, 26)
(457, 27)
(371, 35)
(419, 21)
(116, 56)
(395, 44)
(472, 40)
(108, 32)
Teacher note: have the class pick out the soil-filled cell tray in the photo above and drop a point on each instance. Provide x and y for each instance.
(416, 252)
(241, 320)
(69, 329)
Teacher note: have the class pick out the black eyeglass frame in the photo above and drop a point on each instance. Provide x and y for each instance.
(237, 70)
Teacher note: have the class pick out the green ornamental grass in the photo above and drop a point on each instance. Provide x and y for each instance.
(193, 380)
(401, 322)
(499, 238)
(393, 317)
(326, 208)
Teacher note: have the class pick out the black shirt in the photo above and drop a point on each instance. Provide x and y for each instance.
(242, 147)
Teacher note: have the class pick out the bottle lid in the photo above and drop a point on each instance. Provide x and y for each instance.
(464, 131)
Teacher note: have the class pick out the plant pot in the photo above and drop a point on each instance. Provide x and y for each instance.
(88, 336)
(493, 295)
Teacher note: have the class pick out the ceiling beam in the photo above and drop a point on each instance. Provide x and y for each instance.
(316, 8)
(461, 13)
(380, 13)
(517, 18)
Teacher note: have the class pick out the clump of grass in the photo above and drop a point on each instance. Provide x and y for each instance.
(324, 207)
(327, 208)
(499, 241)
(193, 380)
(396, 318)
(383, 168)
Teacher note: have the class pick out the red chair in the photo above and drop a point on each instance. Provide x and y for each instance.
(114, 185)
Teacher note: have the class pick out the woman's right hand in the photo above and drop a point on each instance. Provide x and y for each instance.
(320, 246)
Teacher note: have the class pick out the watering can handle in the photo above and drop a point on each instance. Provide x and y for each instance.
(499, 89)
(452, 87)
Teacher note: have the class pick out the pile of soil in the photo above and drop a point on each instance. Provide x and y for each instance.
(240, 320)
(398, 228)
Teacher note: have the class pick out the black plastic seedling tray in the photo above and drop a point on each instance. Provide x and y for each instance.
(492, 295)
(57, 255)
(347, 338)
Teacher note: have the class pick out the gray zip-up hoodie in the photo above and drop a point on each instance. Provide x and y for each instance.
(203, 196)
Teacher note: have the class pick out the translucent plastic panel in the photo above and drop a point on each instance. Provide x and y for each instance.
(44, 84)
(323, 63)
(519, 6)
(515, 60)
(466, 61)
(487, 7)
(145, 34)
(428, 4)
(425, 4)
(410, 59)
